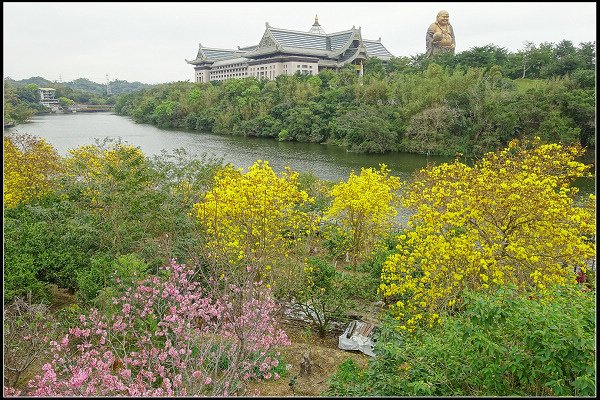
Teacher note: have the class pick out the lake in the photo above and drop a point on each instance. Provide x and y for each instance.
(68, 131)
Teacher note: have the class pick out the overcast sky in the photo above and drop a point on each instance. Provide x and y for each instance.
(149, 42)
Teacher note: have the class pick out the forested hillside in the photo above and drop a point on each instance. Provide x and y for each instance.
(83, 85)
(470, 103)
(21, 98)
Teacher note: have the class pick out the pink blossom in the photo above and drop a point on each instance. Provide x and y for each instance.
(102, 365)
(11, 392)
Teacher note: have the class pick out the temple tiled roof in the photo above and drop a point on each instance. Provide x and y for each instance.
(219, 54)
(376, 49)
(315, 43)
(338, 40)
(330, 45)
(209, 54)
(287, 38)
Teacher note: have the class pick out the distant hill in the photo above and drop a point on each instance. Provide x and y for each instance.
(84, 85)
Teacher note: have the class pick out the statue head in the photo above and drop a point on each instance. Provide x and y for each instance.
(443, 17)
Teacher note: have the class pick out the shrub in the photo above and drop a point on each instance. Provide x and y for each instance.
(171, 337)
(136, 202)
(321, 295)
(27, 329)
(105, 275)
(47, 240)
(344, 380)
(504, 343)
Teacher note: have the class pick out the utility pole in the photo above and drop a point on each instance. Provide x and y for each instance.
(108, 91)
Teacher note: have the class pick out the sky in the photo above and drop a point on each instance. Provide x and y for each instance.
(149, 42)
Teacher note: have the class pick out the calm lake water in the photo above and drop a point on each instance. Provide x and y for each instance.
(68, 131)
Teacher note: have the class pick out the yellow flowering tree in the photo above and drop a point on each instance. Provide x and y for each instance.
(511, 218)
(30, 166)
(252, 217)
(117, 162)
(365, 207)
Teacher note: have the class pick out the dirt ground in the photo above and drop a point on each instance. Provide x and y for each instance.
(325, 355)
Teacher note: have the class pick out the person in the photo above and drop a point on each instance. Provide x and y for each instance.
(440, 36)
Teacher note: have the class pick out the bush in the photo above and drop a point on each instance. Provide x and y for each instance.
(46, 241)
(321, 295)
(503, 343)
(27, 329)
(171, 337)
(105, 275)
(344, 380)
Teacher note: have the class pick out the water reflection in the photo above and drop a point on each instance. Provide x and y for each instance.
(68, 131)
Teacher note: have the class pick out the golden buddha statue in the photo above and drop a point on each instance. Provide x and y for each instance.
(440, 36)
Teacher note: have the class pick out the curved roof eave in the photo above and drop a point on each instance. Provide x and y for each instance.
(228, 61)
(197, 61)
(348, 42)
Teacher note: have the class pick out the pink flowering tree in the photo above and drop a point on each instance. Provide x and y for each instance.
(170, 336)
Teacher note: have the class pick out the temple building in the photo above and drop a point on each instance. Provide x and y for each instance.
(286, 52)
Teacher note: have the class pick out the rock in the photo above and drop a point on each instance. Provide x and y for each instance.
(306, 364)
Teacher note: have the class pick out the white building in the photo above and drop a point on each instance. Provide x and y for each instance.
(286, 52)
(47, 98)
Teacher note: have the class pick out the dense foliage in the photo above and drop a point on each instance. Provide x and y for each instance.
(179, 265)
(20, 103)
(67, 219)
(472, 103)
(502, 343)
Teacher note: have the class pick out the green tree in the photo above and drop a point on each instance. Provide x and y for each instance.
(65, 102)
